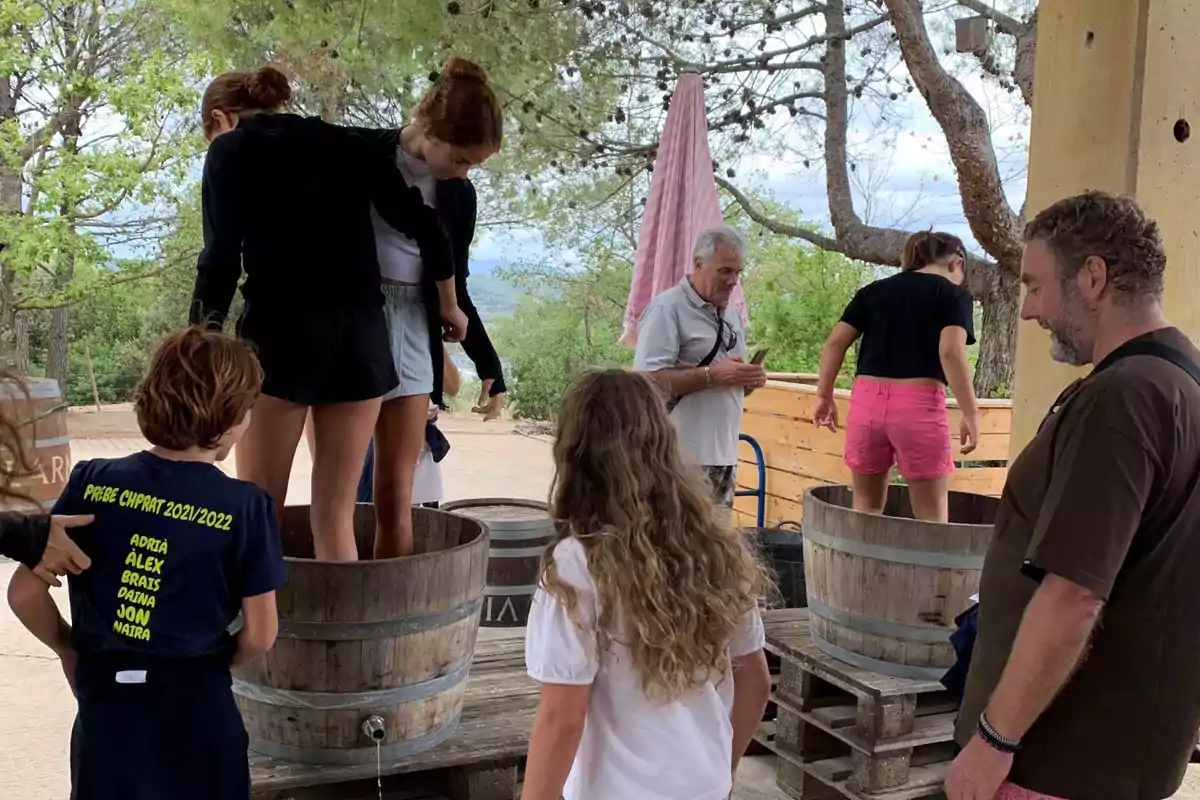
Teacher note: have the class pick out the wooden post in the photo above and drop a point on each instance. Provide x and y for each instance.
(87, 353)
(1112, 109)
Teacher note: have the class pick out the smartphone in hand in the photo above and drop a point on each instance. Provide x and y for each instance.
(759, 356)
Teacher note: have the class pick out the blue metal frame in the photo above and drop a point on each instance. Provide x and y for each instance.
(761, 491)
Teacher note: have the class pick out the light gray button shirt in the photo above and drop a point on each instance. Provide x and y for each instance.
(676, 331)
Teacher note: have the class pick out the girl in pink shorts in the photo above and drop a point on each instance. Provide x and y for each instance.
(915, 328)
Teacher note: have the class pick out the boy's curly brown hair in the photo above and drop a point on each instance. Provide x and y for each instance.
(200, 384)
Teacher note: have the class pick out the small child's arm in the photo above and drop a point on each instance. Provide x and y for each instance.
(260, 625)
(29, 598)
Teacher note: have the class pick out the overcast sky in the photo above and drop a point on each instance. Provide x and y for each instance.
(914, 180)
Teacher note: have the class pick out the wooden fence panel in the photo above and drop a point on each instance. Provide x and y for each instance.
(799, 455)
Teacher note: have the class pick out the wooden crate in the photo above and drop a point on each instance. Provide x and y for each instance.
(842, 731)
(763, 742)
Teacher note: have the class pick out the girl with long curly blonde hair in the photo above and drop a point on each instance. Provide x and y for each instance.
(645, 632)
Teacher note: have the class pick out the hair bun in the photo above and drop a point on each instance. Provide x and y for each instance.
(268, 87)
(456, 67)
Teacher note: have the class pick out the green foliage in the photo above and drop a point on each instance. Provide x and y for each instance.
(104, 140)
(796, 294)
(572, 318)
(570, 321)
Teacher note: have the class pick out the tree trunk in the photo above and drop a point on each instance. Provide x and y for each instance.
(998, 339)
(11, 185)
(20, 365)
(58, 361)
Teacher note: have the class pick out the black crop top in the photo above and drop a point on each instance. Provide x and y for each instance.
(901, 320)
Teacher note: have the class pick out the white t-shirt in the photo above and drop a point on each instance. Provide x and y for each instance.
(632, 747)
(399, 256)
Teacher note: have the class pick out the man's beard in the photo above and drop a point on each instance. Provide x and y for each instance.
(1064, 351)
(1066, 346)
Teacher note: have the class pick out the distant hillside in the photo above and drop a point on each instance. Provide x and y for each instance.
(493, 296)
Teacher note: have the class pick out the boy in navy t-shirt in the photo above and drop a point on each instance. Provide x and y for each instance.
(178, 549)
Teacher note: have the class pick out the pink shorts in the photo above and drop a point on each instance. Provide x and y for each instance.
(898, 423)
(1010, 791)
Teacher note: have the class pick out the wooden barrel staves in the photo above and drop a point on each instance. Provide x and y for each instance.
(372, 656)
(36, 408)
(883, 591)
(519, 531)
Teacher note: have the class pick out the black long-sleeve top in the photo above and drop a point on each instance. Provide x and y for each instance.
(457, 204)
(287, 199)
(457, 208)
(23, 538)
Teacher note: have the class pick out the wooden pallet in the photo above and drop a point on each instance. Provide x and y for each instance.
(763, 742)
(842, 731)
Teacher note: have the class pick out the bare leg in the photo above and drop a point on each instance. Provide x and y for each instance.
(264, 455)
(870, 491)
(398, 440)
(341, 433)
(930, 499)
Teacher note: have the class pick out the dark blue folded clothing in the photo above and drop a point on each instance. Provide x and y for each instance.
(963, 642)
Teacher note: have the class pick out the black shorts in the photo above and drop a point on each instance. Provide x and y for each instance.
(320, 357)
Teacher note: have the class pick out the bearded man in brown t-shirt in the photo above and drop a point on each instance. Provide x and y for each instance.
(1084, 683)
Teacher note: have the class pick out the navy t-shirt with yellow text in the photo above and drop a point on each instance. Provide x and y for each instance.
(175, 547)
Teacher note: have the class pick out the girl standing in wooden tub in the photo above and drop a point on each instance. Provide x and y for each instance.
(290, 201)
(457, 126)
(645, 632)
(915, 328)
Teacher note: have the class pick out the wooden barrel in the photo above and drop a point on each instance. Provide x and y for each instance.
(519, 532)
(36, 408)
(368, 651)
(883, 591)
(782, 550)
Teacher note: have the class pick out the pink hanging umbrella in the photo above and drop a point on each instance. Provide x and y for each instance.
(682, 204)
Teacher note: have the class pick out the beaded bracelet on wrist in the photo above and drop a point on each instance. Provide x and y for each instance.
(994, 739)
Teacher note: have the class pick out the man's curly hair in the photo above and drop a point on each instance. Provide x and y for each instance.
(1113, 228)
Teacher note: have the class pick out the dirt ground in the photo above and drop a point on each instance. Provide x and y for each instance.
(489, 459)
(486, 460)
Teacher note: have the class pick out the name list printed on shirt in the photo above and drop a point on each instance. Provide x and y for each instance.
(139, 583)
(140, 501)
(142, 576)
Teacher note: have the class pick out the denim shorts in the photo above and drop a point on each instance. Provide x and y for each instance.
(408, 336)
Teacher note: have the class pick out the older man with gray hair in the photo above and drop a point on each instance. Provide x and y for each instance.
(693, 344)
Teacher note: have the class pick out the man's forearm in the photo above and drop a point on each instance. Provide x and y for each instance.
(23, 538)
(686, 380)
(1050, 644)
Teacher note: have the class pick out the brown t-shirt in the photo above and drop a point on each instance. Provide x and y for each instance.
(1107, 496)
